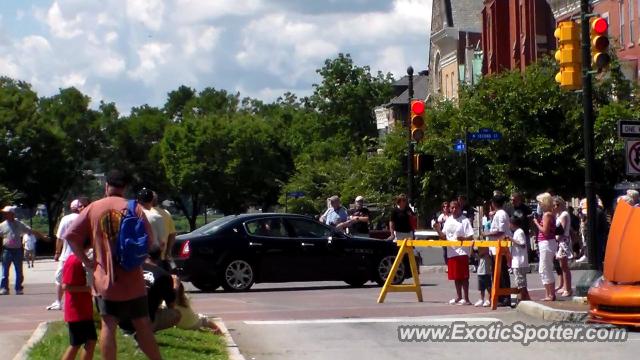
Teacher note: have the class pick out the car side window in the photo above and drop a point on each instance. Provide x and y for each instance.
(308, 229)
(266, 227)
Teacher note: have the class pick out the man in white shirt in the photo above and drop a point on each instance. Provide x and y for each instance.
(63, 250)
(157, 222)
(457, 228)
(500, 229)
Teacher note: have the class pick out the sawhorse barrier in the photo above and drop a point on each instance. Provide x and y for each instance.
(407, 248)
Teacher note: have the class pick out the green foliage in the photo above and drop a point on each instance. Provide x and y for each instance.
(174, 344)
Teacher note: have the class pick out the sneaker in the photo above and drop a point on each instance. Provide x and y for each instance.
(463, 302)
(486, 303)
(4, 292)
(454, 301)
(55, 306)
(478, 303)
(19, 292)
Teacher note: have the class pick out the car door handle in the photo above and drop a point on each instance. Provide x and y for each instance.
(255, 244)
(307, 244)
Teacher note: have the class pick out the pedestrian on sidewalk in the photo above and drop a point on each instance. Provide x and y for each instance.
(457, 228)
(120, 294)
(563, 237)
(12, 231)
(500, 229)
(62, 247)
(547, 244)
(519, 256)
(78, 309)
(484, 271)
(29, 243)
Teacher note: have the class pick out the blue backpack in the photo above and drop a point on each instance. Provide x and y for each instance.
(132, 245)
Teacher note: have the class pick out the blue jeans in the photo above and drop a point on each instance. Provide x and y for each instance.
(12, 256)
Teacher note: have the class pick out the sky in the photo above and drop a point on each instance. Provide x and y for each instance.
(133, 52)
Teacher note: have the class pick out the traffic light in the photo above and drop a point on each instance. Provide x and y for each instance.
(417, 120)
(422, 163)
(599, 43)
(568, 55)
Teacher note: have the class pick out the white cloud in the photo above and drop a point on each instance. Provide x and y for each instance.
(110, 66)
(148, 12)
(199, 38)
(151, 56)
(110, 37)
(72, 79)
(9, 68)
(61, 27)
(191, 11)
(33, 44)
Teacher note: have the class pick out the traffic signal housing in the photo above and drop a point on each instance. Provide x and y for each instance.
(599, 41)
(422, 163)
(568, 55)
(418, 123)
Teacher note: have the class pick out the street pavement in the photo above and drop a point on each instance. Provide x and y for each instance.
(316, 320)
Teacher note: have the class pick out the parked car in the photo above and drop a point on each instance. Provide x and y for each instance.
(239, 250)
(615, 297)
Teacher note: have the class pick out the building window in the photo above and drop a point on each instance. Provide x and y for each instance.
(453, 78)
(621, 12)
(631, 21)
(446, 86)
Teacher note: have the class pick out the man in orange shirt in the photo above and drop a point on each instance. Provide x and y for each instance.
(120, 295)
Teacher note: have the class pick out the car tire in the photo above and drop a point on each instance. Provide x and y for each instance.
(382, 268)
(205, 285)
(237, 275)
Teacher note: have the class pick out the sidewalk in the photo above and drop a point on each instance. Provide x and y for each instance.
(20, 315)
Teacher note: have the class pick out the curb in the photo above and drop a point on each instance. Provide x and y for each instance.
(35, 337)
(232, 348)
(548, 313)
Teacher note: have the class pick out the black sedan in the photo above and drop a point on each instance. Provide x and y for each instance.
(239, 250)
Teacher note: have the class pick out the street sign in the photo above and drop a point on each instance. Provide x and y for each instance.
(632, 156)
(296, 194)
(629, 129)
(459, 146)
(484, 134)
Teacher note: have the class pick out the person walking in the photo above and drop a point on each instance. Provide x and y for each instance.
(12, 232)
(563, 237)
(120, 294)
(63, 250)
(547, 244)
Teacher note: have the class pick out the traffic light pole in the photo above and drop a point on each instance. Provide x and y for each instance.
(410, 150)
(587, 104)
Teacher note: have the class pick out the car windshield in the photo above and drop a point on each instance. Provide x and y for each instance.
(214, 225)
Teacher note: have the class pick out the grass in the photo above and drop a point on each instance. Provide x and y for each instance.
(174, 344)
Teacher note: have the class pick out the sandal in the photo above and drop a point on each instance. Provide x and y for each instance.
(548, 299)
(567, 293)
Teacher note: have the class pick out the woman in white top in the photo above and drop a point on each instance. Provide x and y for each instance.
(563, 236)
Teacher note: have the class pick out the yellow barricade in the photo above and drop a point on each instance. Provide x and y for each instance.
(407, 246)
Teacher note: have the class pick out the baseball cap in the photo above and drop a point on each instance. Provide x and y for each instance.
(145, 195)
(9, 209)
(75, 204)
(359, 198)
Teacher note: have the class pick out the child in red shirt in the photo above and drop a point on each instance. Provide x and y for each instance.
(78, 310)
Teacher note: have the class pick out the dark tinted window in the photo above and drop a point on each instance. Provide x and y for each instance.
(214, 225)
(309, 229)
(272, 227)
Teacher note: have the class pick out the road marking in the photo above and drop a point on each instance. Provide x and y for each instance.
(371, 320)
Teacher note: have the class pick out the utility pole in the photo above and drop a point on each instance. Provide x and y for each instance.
(410, 152)
(587, 105)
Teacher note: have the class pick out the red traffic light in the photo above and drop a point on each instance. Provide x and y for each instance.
(600, 26)
(417, 107)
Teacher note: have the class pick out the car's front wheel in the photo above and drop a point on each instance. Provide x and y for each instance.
(384, 268)
(237, 275)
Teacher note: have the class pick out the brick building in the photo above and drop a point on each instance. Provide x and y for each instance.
(515, 33)
(624, 27)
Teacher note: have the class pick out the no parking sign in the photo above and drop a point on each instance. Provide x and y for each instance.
(632, 156)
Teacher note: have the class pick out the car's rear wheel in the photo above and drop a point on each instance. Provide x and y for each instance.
(356, 282)
(237, 275)
(384, 268)
(205, 285)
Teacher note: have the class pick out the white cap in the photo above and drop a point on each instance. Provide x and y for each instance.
(9, 209)
(359, 198)
(75, 204)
